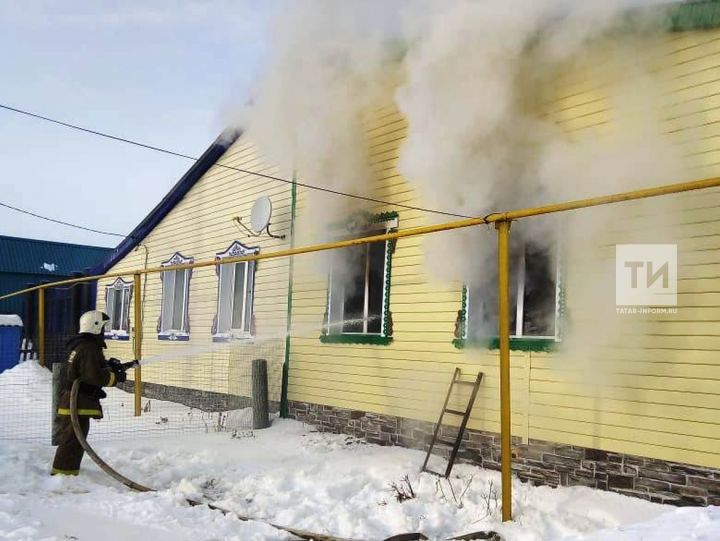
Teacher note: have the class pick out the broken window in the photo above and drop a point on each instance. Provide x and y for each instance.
(357, 289)
(533, 296)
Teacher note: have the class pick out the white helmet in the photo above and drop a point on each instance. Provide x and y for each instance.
(93, 322)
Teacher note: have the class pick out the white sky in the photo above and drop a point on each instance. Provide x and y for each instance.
(161, 72)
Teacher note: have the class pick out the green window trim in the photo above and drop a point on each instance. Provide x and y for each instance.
(364, 219)
(367, 339)
(385, 337)
(520, 343)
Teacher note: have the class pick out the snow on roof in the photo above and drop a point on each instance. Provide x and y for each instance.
(10, 320)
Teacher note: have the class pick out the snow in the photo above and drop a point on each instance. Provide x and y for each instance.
(10, 320)
(27, 388)
(291, 475)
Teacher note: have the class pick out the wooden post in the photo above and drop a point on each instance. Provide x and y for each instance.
(57, 369)
(503, 229)
(41, 327)
(137, 304)
(261, 418)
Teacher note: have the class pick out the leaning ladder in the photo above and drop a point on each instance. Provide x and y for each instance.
(465, 417)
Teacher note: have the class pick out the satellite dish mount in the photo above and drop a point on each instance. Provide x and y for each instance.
(260, 219)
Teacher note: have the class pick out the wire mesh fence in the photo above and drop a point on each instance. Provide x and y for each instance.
(198, 384)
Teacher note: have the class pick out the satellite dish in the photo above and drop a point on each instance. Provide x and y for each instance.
(260, 214)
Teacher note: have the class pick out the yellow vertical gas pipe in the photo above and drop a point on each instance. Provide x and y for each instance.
(41, 326)
(503, 229)
(138, 343)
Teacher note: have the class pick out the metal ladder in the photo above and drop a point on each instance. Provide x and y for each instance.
(465, 417)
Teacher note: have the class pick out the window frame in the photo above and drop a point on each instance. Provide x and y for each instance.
(518, 342)
(360, 224)
(236, 249)
(182, 334)
(118, 285)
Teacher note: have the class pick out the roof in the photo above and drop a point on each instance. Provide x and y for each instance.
(174, 196)
(31, 256)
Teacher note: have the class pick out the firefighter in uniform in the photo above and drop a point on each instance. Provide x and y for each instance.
(87, 362)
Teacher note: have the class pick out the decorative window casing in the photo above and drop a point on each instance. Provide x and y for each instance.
(234, 318)
(174, 322)
(537, 303)
(118, 297)
(358, 305)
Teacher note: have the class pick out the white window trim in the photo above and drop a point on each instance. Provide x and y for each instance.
(236, 249)
(519, 305)
(386, 226)
(175, 334)
(118, 334)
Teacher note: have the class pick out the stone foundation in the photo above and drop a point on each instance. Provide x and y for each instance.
(538, 462)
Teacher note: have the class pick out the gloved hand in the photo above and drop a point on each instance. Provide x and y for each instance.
(120, 376)
(118, 369)
(115, 364)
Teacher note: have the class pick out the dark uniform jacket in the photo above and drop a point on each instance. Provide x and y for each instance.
(87, 362)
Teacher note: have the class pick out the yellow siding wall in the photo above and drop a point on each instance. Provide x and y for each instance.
(201, 226)
(654, 391)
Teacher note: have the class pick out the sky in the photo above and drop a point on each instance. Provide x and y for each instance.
(166, 73)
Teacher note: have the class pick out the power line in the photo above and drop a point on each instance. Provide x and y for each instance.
(246, 171)
(60, 221)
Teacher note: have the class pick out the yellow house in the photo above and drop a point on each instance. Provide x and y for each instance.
(366, 341)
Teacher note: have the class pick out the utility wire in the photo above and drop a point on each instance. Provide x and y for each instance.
(246, 171)
(60, 221)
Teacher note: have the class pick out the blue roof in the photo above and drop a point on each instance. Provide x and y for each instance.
(31, 256)
(176, 194)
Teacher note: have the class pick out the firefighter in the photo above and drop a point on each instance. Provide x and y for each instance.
(87, 362)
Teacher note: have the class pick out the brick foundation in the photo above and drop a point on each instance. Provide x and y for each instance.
(538, 462)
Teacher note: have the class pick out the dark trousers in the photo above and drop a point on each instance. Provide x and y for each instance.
(69, 453)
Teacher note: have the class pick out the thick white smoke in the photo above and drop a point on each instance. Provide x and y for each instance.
(475, 81)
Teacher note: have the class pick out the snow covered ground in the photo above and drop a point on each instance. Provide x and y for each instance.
(291, 475)
(25, 411)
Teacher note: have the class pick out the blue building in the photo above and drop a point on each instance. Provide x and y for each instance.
(30, 261)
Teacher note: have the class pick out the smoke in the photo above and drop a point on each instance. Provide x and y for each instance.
(332, 63)
(476, 82)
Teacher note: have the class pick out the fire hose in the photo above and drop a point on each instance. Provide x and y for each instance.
(104, 466)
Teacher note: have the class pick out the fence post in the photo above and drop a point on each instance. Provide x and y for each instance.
(41, 327)
(57, 369)
(261, 418)
(137, 278)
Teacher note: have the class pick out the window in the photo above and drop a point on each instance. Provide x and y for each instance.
(174, 321)
(236, 284)
(117, 306)
(358, 291)
(534, 301)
